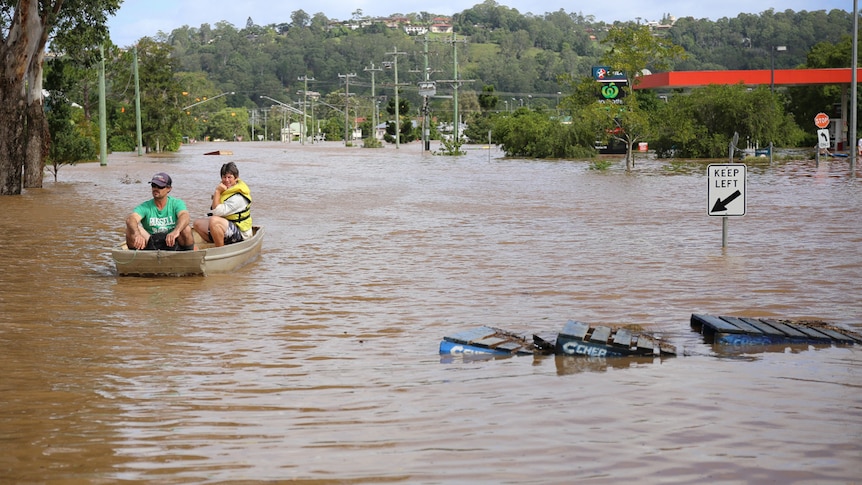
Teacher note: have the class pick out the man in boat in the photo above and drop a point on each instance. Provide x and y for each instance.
(162, 222)
(230, 218)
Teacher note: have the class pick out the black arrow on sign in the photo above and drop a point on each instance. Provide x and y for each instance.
(721, 205)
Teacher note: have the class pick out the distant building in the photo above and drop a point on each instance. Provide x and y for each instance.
(415, 29)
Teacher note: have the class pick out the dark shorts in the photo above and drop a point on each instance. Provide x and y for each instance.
(157, 241)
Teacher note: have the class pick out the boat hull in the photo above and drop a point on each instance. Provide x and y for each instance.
(206, 259)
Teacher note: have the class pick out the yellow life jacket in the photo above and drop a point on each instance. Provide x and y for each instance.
(241, 219)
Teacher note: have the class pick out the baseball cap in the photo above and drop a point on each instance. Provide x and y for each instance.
(161, 179)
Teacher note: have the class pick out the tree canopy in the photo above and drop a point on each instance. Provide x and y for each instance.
(26, 28)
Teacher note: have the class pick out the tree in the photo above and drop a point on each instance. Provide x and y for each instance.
(162, 96)
(633, 48)
(408, 131)
(25, 31)
(229, 124)
(67, 125)
(702, 123)
(536, 134)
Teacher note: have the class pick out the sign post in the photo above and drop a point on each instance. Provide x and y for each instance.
(821, 121)
(725, 194)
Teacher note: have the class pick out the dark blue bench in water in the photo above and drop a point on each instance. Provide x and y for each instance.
(575, 339)
(580, 339)
(745, 331)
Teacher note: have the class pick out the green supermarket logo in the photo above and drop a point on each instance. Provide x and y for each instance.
(610, 91)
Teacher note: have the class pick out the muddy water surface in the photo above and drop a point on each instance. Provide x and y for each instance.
(319, 361)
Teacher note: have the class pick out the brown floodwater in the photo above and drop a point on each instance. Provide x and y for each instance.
(319, 362)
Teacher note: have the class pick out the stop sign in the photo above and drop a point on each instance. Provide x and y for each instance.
(821, 120)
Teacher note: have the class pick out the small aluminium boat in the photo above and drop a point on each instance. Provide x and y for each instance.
(205, 259)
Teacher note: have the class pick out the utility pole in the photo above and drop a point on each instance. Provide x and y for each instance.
(138, 104)
(372, 69)
(456, 83)
(346, 102)
(426, 90)
(395, 54)
(426, 128)
(103, 127)
(304, 124)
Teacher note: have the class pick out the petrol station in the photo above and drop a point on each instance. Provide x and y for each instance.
(838, 122)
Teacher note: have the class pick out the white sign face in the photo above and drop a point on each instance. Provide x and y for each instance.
(725, 195)
(823, 139)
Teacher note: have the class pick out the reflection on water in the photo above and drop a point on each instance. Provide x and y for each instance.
(319, 361)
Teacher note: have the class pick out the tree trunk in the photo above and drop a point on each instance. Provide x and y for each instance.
(21, 54)
(12, 123)
(630, 152)
(38, 135)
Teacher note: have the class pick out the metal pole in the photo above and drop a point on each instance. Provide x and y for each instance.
(138, 105)
(346, 104)
(724, 232)
(373, 102)
(853, 96)
(395, 54)
(455, 120)
(772, 84)
(772, 91)
(304, 122)
(426, 123)
(397, 113)
(103, 130)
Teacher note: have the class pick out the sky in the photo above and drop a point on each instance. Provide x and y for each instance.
(141, 18)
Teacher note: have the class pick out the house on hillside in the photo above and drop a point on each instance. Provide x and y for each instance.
(441, 27)
(415, 29)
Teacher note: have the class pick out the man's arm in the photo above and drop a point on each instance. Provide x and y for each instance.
(136, 237)
(183, 219)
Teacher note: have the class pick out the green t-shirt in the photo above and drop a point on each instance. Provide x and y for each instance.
(165, 220)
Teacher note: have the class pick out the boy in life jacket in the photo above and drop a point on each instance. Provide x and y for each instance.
(230, 218)
(161, 222)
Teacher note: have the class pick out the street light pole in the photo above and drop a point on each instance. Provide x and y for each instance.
(289, 108)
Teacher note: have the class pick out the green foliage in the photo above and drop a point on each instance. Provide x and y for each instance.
(478, 126)
(634, 48)
(163, 123)
(701, 124)
(408, 130)
(535, 134)
(228, 124)
(451, 147)
(601, 164)
(488, 100)
(70, 140)
(371, 142)
(804, 102)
